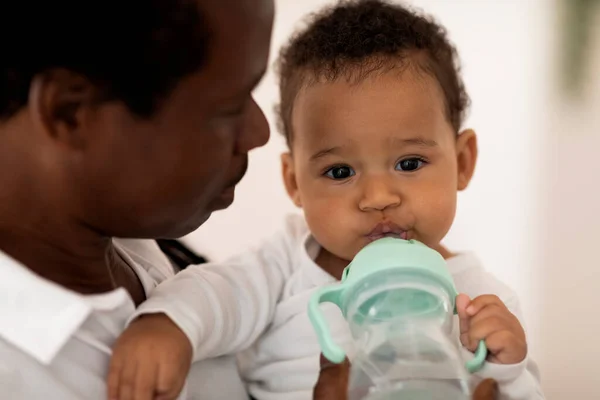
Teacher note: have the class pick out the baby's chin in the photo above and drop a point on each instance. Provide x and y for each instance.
(348, 256)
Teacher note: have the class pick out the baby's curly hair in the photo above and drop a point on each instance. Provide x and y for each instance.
(356, 38)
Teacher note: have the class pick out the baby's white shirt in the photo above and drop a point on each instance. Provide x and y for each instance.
(256, 303)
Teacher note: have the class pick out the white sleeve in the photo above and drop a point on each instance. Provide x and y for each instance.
(223, 308)
(515, 381)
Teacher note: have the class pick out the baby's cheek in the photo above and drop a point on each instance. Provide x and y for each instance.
(445, 219)
(436, 215)
(328, 223)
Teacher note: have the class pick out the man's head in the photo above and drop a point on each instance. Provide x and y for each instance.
(134, 117)
(372, 105)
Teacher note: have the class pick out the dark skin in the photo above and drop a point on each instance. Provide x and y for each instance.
(62, 202)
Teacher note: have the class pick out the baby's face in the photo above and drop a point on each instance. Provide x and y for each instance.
(376, 159)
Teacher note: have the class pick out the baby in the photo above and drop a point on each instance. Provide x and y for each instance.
(372, 106)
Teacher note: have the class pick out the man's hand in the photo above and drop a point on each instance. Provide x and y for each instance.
(333, 383)
(487, 318)
(486, 390)
(333, 380)
(150, 360)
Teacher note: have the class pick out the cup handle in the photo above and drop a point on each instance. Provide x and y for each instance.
(476, 363)
(330, 294)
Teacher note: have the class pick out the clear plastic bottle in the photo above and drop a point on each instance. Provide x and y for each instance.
(398, 299)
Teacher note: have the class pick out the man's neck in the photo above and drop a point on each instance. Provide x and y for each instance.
(37, 229)
(79, 263)
(78, 259)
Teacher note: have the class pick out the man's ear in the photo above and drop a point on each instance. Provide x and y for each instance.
(466, 157)
(289, 178)
(60, 102)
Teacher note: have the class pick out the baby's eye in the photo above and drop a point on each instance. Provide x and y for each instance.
(410, 164)
(339, 173)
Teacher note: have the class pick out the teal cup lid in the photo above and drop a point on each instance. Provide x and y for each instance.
(387, 256)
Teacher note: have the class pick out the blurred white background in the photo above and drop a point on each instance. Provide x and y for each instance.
(532, 211)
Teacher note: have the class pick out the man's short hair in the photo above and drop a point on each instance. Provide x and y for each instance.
(133, 51)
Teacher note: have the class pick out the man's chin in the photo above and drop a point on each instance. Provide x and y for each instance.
(221, 202)
(224, 200)
(188, 227)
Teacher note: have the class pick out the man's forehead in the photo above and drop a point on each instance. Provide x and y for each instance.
(241, 25)
(251, 11)
(239, 46)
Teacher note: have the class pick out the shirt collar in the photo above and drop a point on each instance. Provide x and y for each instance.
(309, 251)
(39, 316)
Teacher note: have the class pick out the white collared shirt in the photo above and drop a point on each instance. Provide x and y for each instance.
(56, 344)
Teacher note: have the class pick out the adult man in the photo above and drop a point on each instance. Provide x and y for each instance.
(117, 119)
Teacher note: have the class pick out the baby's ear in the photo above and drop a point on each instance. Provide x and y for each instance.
(289, 178)
(466, 157)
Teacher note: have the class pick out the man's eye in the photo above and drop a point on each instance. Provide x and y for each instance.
(338, 173)
(233, 113)
(410, 164)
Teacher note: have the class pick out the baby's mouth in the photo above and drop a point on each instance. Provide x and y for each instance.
(387, 229)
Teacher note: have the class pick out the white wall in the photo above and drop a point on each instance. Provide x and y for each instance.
(569, 270)
(527, 211)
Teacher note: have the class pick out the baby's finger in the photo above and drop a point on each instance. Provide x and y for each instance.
(468, 343)
(484, 328)
(112, 380)
(506, 347)
(481, 301)
(127, 380)
(508, 321)
(462, 302)
(493, 310)
(145, 381)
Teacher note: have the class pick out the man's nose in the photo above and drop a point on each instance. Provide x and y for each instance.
(255, 132)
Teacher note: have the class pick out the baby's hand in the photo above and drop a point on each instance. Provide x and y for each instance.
(150, 360)
(487, 318)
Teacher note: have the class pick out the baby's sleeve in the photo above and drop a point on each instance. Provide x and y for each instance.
(223, 307)
(516, 381)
